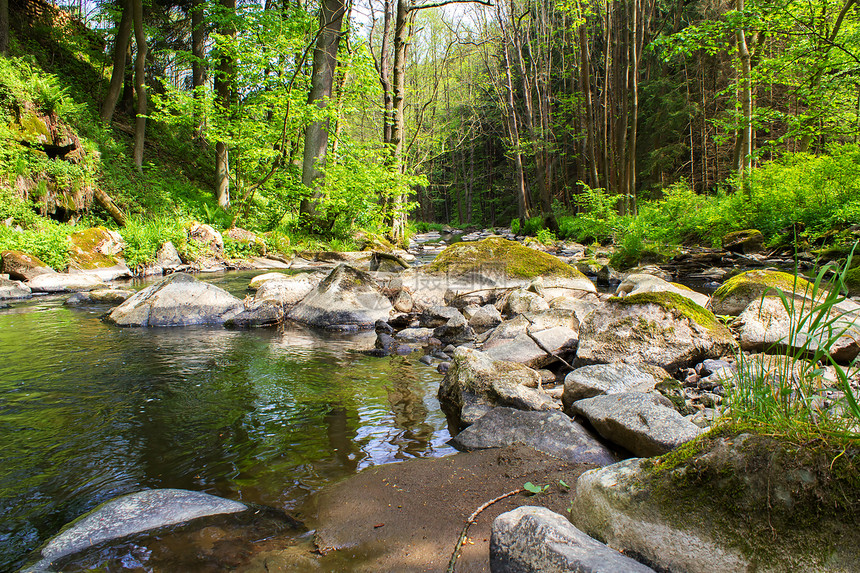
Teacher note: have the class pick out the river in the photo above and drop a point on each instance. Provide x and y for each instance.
(89, 411)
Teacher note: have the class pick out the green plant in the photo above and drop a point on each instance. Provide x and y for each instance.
(144, 236)
(535, 489)
(782, 392)
(49, 242)
(546, 237)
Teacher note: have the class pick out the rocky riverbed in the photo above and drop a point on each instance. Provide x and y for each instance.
(532, 356)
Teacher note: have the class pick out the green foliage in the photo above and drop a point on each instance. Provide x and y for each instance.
(783, 394)
(144, 236)
(546, 237)
(515, 226)
(535, 489)
(49, 242)
(598, 219)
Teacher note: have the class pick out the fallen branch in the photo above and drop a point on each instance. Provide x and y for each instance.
(469, 522)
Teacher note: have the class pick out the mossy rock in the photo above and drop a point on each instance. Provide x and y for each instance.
(677, 305)
(746, 241)
(738, 292)
(94, 248)
(852, 281)
(496, 254)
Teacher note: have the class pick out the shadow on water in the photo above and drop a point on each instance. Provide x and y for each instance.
(89, 411)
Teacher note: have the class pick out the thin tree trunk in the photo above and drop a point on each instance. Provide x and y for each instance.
(139, 83)
(120, 49)
(4, 28)
(744, 149)
(224, 97)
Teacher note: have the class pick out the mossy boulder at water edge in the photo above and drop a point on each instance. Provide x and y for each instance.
(96, 251)
(22, 266)
(662, 329)
(747, 241)
(738, 292)
(852, 281)
(500, 259)
(734, 502)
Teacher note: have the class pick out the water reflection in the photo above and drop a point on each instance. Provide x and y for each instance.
(89, 411)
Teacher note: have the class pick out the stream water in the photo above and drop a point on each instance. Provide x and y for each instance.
(89, 411)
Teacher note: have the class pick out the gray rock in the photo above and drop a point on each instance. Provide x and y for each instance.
(178, 300)
(415, 335)
(533, 539)
(347, 297)
(61, 282)
(101, 296)
(455, 331)
(287, 290)
(644, 424)
(559, 340)
(485, 318)
(168, 257)
(130, 514)
(257, 313)
(639, 283)
(106, 273)
(507, 331)
(21, 266)
(551, 287)
(766, 325)
(258, 280)
(438, 315)
(474, 380)
(13, 289)
(590, 381)
(659, 328)
(552, 433)
(520, 301)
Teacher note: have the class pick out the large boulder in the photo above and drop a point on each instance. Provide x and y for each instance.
(533, 539)
(21, 266)
(178, 300)
(62, 283)
(520, 301)
(659, 328)
(737, 293)
(597, 379)
(729, 503)
(767, 325)
(553, 286)
(475, 383)
(552, 433)
(347, 299)
(287, 290)
(96, 251)
(639, 283)
(645, 424)
(13, 289)
(485, 318)
(499, 262)
(131, 514)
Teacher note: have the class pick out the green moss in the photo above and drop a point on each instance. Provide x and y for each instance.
(742, 236)
(83, 249)
(782, 502)
(516, 260)
(852, 281)
(754, 284)
(677, 305)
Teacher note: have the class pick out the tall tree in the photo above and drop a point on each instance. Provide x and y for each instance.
(120, 50)
(224, 94)
(322, 79)
(139, 82)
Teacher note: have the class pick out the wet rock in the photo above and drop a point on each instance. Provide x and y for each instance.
(476, 379)
(21, 266)
(659, 328)
(641, 283)
(455, 331)
(61, 282)
(645, 424)
(597, 379)
(257, 313)
(287, 290)
(534, 539)
(437, 316)
(178, 300)
(347, 297)
(130, 514)
(767, 326)
(415, 335)
(536, 349)
(552, 433)
(13, 289)
(100, 296)
(390, 345)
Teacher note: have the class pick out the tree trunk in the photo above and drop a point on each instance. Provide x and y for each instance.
(744, 151)
(120, 49)
(385, 74)
(514, 133)
(139, 83)
(322, 80)
(4, 28)
(223, 85)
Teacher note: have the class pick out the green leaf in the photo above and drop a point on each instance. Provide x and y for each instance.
(534, 489)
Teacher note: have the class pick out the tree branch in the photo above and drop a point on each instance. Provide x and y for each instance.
(446, 2)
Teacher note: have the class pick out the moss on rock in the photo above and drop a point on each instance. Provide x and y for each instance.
(494, 253)
(677, 305)
(86, 248)
(738, 292)
(852, 281)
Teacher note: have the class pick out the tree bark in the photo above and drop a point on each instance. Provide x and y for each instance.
(4, 28)
(745, 142)
(139, 83)
(322, 80)
(120, 49)
(223, 85)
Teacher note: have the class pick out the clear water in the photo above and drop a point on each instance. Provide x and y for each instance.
(89, 411)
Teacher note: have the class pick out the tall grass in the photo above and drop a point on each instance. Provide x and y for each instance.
(784, 392)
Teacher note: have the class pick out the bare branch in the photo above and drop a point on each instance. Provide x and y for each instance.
(446, 2)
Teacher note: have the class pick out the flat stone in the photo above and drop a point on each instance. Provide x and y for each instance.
(413, 335)
(644, 424)
(551, 432)
(596, 379)
(524, 349)
(130, 514)
(534, 539)
(61, 282)
(13, 289)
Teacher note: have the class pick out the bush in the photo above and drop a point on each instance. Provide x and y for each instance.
(50, 243)
(143, 238)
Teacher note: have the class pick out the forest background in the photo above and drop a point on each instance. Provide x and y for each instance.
(644, 123)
